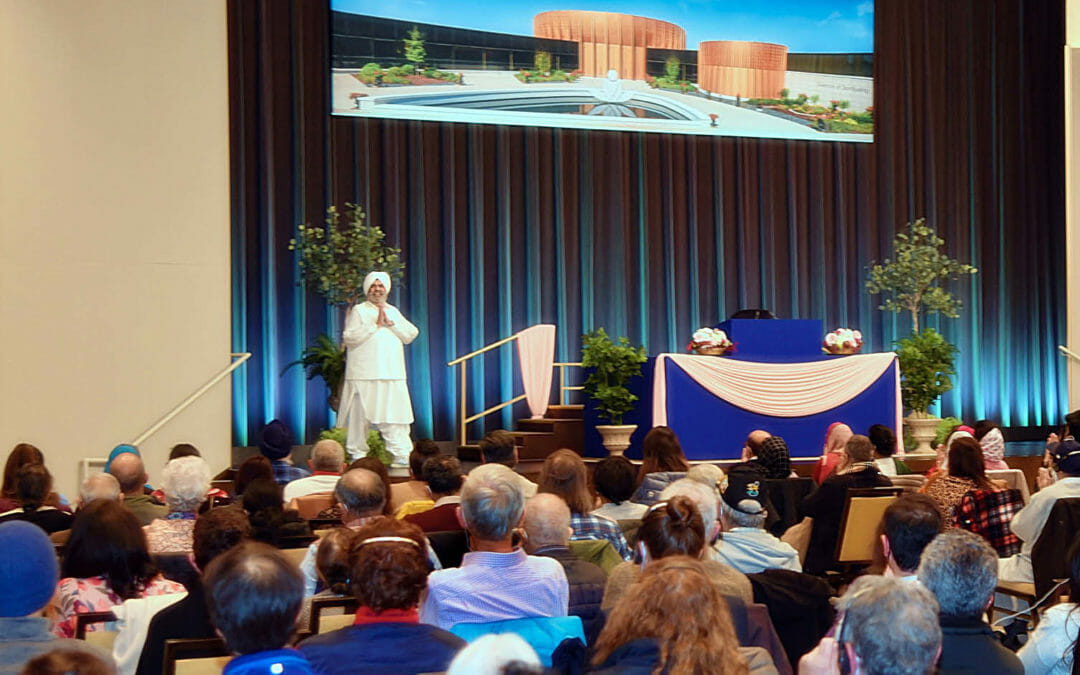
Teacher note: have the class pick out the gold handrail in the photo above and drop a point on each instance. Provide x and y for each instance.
(491, 346)
(563, 365)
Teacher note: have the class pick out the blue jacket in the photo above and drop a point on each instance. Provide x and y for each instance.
(399, 648)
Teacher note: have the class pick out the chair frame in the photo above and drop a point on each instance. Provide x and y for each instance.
(350, 604)
(854, 493)
(175, 648)
(86, 618)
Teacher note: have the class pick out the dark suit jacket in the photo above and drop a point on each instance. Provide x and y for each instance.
(826, 507)
(188, 618)
(968, 646)
(587, 583)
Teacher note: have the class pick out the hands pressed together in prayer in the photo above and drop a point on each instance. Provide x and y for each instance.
(382, 319)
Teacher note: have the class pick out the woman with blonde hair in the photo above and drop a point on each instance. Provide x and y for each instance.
(674, 621)
(564, 475)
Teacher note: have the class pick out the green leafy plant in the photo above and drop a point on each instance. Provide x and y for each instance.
(944, 427)
(614, 363)
(926, 368)
(911, 281)
(339, 434)
(542, 62)
(414, 47)
(334, 258)
(325, 359)
(377, 447)
(671, 67)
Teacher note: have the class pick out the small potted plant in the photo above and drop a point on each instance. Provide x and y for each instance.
(325, 359)
(926, 370)
(613, 364)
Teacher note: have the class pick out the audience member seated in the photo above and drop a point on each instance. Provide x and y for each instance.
(498, 447)
(416, 487)
(106, 562)
(332, 566)
(753, 444)
(444, 479)
(1052, 647)
(674, 620)
(709, 475)
(942, 449)
(254, 595)
(130, 472)
(960, 569)
(564, 475)
(908, 525)
(832, 455)
(275, 443)
(992, 443)
(252, 468)
(33, 484)
(662, 463)
(389, 573)
(1028, 523)
(614, 478)
(374, 465)
(271, 523)
(70, 661)
(361, 495)
(326, 464)
(889, 627)
(21, 455)
(707, 500)
(773, 458)
(185, 481)
(188, 450)
(826, 506)
(674, 528)
(744, 544)
(884, 442)
(28, 576)
(216, 532)
(496, 581)
(502, 654)
(99, 486)
(547, 534)
(966, 472)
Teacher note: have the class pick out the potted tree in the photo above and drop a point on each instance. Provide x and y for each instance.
(912, 282)
(613, 364)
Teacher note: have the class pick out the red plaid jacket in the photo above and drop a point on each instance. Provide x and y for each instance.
(988, 513)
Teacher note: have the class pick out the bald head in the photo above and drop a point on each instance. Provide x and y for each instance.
(327, 455)
(361, 493)
(99, 486)
(547, 521)
(129, 471)
(755, 439)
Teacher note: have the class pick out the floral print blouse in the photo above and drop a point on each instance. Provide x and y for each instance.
(79, 596)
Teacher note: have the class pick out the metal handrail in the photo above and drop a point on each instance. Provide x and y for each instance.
(491, 346)
(165, 419)
(563, 365)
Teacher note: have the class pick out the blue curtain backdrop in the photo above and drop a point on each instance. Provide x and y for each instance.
(652, 236)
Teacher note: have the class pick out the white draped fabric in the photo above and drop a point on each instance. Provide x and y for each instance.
(536, 355)
(776, 389)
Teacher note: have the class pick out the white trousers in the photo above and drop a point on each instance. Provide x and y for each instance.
(396, 436)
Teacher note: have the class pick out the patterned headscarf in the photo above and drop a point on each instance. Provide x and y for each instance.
(372, 277)
(774, 458)
(993, 446)
(837, 437)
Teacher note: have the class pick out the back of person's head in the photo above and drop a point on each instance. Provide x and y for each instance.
(33, 483)
(388, 564)
(185, 482)
(184, 450)
(252, 468)
(982, 427)
(547, 521)
(891, 626)
(423, 450)
(564, 474)
(106, 540)
(743, 500)
(217, 531)
(28, 569)
(492, 502)
(275, 440)
(373, 465)
(661, 451)
(774, 457)
(497, 654)
(443, 474)
(966, 461)
(254, 595)
(614, 478)
(327, 455)
(676, 604)
(99, 486)
(361, 493)
(709, 475)
(1073, 422)
(130, 472)
(672, 527)
(704, 499)
(21, 454)
(883, 439)
(332, 559)
(960, 569)
(262, 494)
(909, 524)
(68, 661)
(498, 447)
(859, 449)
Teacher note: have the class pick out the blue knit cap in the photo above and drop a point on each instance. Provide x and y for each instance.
(28, 569)
(121, 449)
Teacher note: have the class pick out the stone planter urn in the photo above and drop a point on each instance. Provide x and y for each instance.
(616, 437)
(923, 429)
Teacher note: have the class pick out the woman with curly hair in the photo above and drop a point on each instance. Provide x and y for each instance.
(675, 621)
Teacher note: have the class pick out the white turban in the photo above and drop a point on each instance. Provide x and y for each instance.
(372, 277)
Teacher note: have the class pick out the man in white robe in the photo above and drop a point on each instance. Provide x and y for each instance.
(375, 392)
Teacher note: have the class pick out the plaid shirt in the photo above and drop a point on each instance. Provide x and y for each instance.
(588, 526)
(988, 513)
(285, 472)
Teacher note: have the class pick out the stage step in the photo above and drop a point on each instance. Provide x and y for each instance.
(565, 412)
(568, 433)
(563, 426)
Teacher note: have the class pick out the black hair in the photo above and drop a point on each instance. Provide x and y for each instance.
(443, 474)
(883, 438)
(423, 450)
(910, 523)
(183, 450)
(614, 478)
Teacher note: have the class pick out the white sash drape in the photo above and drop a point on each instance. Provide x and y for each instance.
(536, 355)
(775, 389)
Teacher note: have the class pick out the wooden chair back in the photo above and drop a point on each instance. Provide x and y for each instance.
(309, 506)
(202, 656)
(100, 638)
(863, 509)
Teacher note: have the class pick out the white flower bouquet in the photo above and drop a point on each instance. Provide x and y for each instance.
(712, 341)
(842, 341)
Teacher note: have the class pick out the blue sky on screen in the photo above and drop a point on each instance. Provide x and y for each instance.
(838, 26)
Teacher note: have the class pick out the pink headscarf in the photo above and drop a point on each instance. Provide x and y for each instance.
(837, 437)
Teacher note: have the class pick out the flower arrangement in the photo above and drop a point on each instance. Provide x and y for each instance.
(842, 341)
(712, 341)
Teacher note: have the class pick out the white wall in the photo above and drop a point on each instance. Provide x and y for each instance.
(114, 226)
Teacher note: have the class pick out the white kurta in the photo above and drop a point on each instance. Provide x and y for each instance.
(375, 365)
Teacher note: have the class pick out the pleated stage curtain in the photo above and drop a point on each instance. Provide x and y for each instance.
(652, 236)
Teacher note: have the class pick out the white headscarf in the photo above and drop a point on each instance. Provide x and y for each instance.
(993, 446)
(372, 277)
